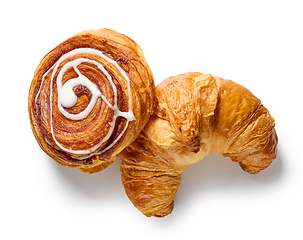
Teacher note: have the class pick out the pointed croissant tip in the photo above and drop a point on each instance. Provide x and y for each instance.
(161, 212)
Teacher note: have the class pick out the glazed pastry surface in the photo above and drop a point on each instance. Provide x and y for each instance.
(89, 99)
(196, 114)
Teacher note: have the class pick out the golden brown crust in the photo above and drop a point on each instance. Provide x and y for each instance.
(83, 134)
(196, 114)
(149, 177)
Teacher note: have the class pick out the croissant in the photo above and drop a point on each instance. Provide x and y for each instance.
(196, 114)
(89, 98)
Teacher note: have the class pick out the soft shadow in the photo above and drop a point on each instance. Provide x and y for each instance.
(213, 173)
(104, 184)
(274, 172)
(218, 173)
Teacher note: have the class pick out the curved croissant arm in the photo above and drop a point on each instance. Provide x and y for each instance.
(89, 98)
(196, 114)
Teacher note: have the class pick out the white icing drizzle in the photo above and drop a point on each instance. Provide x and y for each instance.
(67, 97)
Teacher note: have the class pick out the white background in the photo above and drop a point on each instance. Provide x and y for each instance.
(258, 44)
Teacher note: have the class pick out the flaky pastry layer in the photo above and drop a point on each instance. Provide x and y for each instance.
(196, 114)
(102, 67)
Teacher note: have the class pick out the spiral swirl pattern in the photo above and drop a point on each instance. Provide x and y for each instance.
(85, 102)
(67, 98)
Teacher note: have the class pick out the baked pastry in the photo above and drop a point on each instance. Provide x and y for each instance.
(89, 98)
(196, 114)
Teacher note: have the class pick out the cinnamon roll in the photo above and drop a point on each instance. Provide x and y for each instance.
(89, 99)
